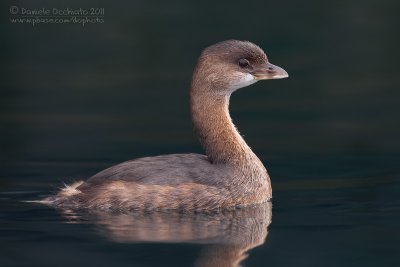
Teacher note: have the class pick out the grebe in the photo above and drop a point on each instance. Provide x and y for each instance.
(230, 175)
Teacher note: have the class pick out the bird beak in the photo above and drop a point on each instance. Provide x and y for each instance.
(269, 71)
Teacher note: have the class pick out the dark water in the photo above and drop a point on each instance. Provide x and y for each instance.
(75, 100)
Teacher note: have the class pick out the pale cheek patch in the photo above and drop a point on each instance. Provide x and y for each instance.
(243, 81)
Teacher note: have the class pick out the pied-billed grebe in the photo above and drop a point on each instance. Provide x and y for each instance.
(229, 175)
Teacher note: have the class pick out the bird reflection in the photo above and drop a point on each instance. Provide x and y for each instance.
(226, 235)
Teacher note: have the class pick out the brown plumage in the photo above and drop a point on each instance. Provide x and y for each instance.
(229, 176)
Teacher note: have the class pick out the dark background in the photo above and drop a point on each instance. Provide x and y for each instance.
(74, 100)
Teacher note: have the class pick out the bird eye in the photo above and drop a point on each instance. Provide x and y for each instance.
(243, 62)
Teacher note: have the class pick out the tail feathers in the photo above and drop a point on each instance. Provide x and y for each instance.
(64, 193)
(70, 190)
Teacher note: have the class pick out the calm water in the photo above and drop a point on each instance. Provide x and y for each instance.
(75, 100)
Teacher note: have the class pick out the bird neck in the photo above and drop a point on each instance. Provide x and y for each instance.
(222, 142)
(215, 130)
